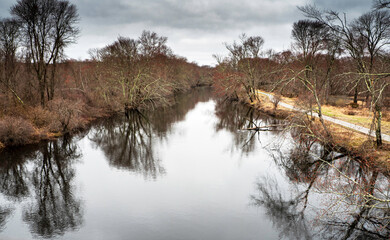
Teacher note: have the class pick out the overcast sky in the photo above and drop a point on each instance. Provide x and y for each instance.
(196, 29)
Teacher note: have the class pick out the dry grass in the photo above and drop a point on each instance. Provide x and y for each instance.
(361, 144)
(359, 116)
(355, 142)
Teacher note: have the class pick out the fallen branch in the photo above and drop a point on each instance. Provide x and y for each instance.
(266, 128)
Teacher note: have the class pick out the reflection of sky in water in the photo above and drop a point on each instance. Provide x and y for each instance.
(210, 178)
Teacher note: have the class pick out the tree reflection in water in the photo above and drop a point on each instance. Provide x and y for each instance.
(5, 212)
(14, 179)
(351, 198)
(234, 116)
(14, 174)
(56, 209)
(128, 144)
(128, 141)
(52, 207)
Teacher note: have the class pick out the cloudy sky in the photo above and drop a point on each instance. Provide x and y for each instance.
(196, 29)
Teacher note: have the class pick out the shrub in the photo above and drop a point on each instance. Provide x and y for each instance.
(337, 102)
(354, 105)
(67, 115)
(16, 131)
(350, 112)
(41, 117)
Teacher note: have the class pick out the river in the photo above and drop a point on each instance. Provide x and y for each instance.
(189, 172)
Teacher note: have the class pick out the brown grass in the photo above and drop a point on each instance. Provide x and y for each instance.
(361, 145)
(355, 142)
(359, 116)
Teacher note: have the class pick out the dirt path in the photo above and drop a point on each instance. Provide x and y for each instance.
(358, 128)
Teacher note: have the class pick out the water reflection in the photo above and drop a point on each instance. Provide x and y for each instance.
(285, 211)
(128, 144)
(335, 196)
(236, 117)
(14, 175)
(5, 212)
(307, 191)
(55, 209)
(128, 141)
(43, 175)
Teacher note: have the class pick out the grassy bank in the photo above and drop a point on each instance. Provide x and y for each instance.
(354, 142)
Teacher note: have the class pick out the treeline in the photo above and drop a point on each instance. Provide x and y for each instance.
(43, 94)
(329, 56)
(142, 72)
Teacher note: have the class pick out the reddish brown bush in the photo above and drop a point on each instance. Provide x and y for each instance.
(41, 117)
(67, 115)
(16, 131)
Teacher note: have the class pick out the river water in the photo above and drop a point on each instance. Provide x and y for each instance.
(189, 172)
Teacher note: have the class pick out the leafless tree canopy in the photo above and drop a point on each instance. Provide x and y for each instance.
(9, 43)
(309, 36)
(364, 39)
(151, 44)
(380, 4)
(48, 27)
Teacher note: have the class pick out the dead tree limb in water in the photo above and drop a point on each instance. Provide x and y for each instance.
(266, 128)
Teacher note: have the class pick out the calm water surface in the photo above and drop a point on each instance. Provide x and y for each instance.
(189, 172)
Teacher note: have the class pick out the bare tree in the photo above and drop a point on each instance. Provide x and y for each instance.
(253, 45)
(244, 58)
(151, 44)
(248, 47)
(380, 4)
(9, 43)
(309, 38)
(310, 42)
(364, 40)
(48, 27)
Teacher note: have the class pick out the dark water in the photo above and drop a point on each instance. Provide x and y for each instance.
(189, 172)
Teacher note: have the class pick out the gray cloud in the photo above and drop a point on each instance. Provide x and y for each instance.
(195, 29)
(207, 15)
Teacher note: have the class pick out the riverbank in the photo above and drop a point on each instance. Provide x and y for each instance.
(354, 142)
(26, 125)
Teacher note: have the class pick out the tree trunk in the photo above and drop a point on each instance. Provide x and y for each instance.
(42, 89)
(378, 130)
(355, 96)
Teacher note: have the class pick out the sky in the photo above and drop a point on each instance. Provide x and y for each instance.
(196, 29)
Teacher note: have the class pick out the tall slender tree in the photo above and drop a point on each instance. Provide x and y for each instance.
(9, 43)
(48, 27)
